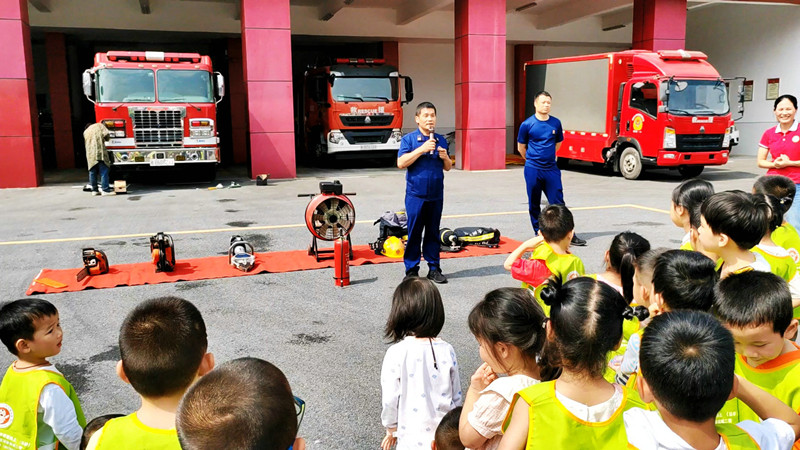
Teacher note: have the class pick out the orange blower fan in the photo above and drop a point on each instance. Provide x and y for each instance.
(330, 216)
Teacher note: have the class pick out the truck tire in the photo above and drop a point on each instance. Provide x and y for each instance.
(630, 163)
(690, 171)
(562, 163)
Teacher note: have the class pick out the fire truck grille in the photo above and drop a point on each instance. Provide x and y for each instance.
(699, 142)
(158, 128)
(378, 120)
(367, 136)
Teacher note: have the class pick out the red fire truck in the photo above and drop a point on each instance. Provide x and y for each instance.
(353, 107)
(159, 107)
(636, 108)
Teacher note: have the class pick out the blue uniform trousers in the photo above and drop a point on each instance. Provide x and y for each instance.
(538, 180)
(422, 215)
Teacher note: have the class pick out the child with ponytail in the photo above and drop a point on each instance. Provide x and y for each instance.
(580, 409)
(509, 327)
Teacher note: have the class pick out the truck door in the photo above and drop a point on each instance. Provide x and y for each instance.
(638, 116)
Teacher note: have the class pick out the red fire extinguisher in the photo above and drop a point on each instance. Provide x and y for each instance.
(341, 266)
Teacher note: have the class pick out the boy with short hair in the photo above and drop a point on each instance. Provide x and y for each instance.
(550, 255)
(757, 309)
(163, 345)
(244, 404)
(687, 365)
(39, 409)
(446, 437)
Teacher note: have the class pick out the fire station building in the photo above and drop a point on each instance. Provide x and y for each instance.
(465, 56)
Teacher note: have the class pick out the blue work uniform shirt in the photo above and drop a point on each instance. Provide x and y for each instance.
(425, 177)
(541, 137)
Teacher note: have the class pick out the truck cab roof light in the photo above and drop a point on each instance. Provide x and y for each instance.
(360, 61)
(681, 55)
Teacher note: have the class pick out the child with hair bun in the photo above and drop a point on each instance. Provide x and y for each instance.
(580, 409)
(509, 326)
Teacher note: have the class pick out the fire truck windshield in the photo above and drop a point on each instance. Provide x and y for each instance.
(126, 85)
(698, 97)
(183, 86)
(348, 89)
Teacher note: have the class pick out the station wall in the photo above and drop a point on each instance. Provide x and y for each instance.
(738, 45)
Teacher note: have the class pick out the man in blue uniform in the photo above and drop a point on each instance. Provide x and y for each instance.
(539, 138)
(424, 154)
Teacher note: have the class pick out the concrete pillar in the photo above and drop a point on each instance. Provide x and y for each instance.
(659, 24)
(59, 99)
(267, 61)
(237, 95)
(522, 54)
(19, 138)
(480, 81)
(391, 53)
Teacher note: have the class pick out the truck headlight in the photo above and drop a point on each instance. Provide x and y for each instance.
(335, 137)
(119, 133)
(396, 136)
(196, 133)
(669, 138)
(726, 141)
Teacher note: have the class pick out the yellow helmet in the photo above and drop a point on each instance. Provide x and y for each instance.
(393, 247)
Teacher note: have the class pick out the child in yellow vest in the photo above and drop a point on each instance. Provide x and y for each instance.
(680, 280)
(550, 255)
(687, 197)
(163, 346)
(756, 308)
(509, 327)
(39, 409)
(687, 363)
(246, 403)
(580, 409)
(779, 259)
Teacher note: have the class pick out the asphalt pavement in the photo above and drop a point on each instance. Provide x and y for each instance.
(327, 340)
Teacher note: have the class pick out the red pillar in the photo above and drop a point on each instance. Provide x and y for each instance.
(59, 99)
(659, 24)
(238, 98)
(267, 61)
(480, 78)
(19, 147)
(522, 54)
(391, 53)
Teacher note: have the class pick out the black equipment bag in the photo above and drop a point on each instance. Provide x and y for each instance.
(455, 240)
(391, 224)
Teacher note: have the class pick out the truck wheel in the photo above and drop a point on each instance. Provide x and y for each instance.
(690, 171)
(562, 163)
(630, 163)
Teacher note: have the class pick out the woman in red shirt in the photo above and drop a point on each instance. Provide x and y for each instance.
(779, 148)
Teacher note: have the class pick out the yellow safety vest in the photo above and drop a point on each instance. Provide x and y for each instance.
(19, 405)
(551, 425)
(734, 437)
(566, 267)
(129, 433)
(786, 236)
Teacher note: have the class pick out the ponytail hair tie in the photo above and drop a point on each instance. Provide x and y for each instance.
(636, 312)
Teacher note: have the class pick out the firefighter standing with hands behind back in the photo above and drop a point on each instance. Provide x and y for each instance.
(424, 154)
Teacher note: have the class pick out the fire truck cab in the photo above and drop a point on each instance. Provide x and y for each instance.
(353, 107)
(160, 109)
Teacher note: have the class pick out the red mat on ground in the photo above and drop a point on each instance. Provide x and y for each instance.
(218, 267)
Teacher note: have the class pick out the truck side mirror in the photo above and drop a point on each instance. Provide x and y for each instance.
(88, 85)
(409, 88)
(220, 85)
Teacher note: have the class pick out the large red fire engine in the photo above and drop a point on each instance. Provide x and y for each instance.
(637, 108)
(353, 107)
(159, 107)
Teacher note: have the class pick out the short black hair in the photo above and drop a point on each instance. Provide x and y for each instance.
(646, 262)
(625, 248)
(555, 223)
(783, 97)
(687, 358)
(754, 298)
(741, 216)
(162, 343)
(94, 425)
(778, 185)
(424, 105)
(245, 404)
(541, 93)
(446, 436)
(417, 310)
(17, 317)
(690, 195)
(685, 280)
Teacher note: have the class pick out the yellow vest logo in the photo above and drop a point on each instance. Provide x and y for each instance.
(6, 415)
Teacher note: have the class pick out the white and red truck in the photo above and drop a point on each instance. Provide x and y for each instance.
(161, 109)
(633, 109)
(353, 108)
